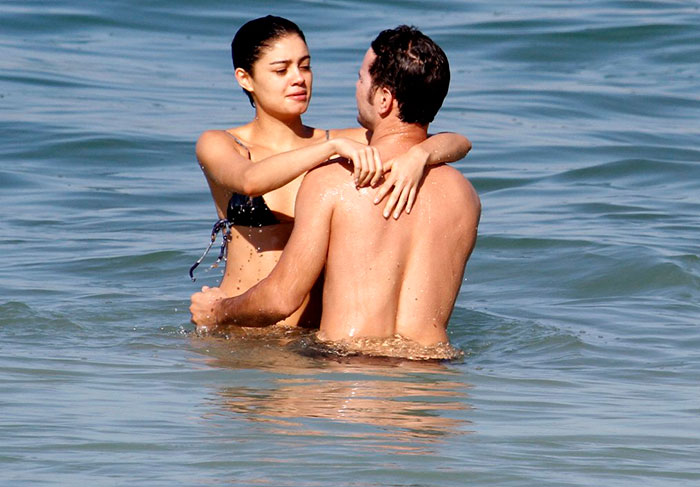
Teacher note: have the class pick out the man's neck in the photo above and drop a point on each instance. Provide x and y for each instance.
(393, 137)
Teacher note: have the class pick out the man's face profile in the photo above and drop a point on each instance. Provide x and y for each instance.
(364, 91)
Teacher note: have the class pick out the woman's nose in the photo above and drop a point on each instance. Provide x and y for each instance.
(297, 76)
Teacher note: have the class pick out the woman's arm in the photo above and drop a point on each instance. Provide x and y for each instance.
(444, 147)
(436, 149)
(218, 155)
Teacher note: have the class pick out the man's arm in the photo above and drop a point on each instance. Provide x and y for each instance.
(282, 292)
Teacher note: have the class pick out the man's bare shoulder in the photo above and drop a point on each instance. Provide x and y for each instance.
(335, 171)
(445, 174)
(358, 134)
(326, 183)
(446, 179)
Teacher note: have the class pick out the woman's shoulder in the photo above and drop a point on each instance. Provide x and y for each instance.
(239, 134)
(211, 141)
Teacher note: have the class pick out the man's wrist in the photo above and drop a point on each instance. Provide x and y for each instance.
(219, 313)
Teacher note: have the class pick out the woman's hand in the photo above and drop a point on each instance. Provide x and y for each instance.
(365, 159)
(405, 175)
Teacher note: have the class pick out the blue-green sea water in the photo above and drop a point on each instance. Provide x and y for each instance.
(579, 316)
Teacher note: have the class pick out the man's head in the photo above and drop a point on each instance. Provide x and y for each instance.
(410, 66)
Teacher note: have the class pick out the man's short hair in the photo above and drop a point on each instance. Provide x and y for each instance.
(414, 68)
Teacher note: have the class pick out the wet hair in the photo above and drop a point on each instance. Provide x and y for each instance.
(414, 68)
(254, 37)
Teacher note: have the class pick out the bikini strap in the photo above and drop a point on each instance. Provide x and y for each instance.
(238, 141)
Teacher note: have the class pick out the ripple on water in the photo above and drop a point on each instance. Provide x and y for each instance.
(633, 172)
(19, 320)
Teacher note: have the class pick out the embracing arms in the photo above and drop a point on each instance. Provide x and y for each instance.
(218, 155)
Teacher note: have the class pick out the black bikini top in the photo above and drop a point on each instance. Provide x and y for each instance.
(249, 211)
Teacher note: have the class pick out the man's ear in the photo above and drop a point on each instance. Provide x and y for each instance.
(384, 100)
(244, 79)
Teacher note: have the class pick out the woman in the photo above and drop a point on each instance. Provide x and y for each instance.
(270, 155)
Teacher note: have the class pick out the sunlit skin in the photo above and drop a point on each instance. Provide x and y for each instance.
(282, 150)
(406, 273)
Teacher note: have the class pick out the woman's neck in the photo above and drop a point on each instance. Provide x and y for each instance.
(279, 132)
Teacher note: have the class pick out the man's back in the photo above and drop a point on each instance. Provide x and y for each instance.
(384, 276)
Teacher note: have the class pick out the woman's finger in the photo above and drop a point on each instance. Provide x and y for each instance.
(391, 202)
(378, 169)
(364, 168)
(384, 189)
(411, 199)
(400, 205)
(356, 167)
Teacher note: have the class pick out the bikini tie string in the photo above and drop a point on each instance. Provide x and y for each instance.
(223, 226)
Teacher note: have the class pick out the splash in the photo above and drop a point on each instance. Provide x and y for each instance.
(391, 347)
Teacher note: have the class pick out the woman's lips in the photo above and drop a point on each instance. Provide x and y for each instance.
(300, 96)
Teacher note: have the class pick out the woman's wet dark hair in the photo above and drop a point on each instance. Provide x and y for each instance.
(256, 35)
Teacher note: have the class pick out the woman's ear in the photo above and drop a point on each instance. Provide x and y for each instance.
(244, 79)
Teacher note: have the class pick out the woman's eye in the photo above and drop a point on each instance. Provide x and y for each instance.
(280, 71)
(305, 68)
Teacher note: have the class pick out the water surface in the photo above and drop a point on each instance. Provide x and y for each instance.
(578, 316)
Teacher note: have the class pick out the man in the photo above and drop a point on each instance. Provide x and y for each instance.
(383, 277)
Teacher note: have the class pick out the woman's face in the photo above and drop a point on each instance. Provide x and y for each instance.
(281, 79)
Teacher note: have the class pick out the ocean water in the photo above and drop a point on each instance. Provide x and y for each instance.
(578, 318)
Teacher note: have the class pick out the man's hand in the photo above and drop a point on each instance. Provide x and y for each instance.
(203, 308)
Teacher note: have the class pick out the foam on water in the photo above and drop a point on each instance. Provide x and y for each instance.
(397, 347)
